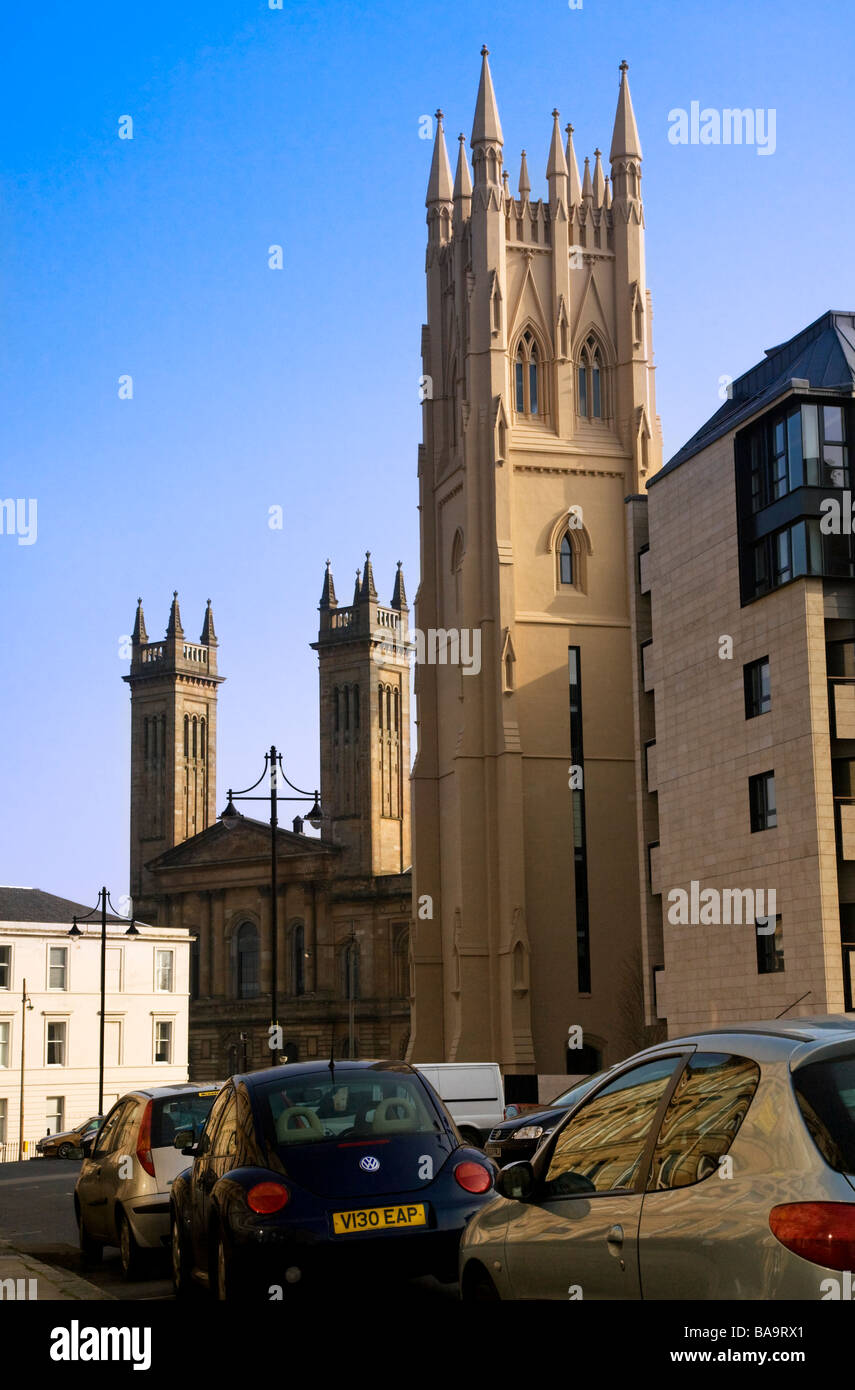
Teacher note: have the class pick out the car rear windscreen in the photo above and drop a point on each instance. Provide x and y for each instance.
(826, 1095)
(171, 1113)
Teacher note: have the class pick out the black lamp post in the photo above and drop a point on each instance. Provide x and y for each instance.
(75, 932)
(273, 764)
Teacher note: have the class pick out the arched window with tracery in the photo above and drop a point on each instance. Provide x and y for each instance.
(592, 380)
(528, 376)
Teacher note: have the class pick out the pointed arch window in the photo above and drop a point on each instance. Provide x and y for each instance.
(528, 376)
(565, 560)
(187, 736)
(592, 380)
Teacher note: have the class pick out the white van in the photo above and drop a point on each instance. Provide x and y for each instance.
(472, 1093)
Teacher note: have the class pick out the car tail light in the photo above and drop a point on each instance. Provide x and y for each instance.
(822, 1232)
(144, 1142)
(267, 1197)
(473, 1177)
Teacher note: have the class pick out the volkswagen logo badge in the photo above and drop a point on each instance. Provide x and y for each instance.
(369, 1164)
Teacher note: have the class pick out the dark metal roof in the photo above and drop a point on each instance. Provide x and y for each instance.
(34, 905)
(823, 355)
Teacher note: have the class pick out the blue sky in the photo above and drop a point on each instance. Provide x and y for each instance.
(299, 387)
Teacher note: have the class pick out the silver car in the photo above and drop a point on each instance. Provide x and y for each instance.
(717, 1166)
(122, 1193)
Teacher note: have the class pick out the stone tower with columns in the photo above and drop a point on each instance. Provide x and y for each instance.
(363, 658)
(539, 420)
(173, 742)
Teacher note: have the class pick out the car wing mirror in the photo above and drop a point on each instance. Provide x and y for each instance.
(516, 1182)
(86, 1144)
(183, 1139)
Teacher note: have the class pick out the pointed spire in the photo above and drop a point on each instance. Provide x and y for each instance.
(439, 183)
(573, 170)
(173, 627)
(209, 636)
(139, 633)
(587, 186)
(358, 586)
(399, 596)
(368, 591)
(625, 141)
(599, 181)
(462, 177)
(607, 196)
(486, 128)
(525, 182)
(557, 163)
(328, 598)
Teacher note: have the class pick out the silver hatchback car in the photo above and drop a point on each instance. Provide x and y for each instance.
(717, 1166)
(122, 1193)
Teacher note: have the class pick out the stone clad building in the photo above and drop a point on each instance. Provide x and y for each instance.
(539, 419)
(343, 899)
(743, 572)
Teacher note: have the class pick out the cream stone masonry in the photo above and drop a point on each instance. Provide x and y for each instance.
(61, 1074)
(539, 419)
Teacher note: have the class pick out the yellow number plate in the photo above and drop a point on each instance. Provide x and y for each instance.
(379, 1218)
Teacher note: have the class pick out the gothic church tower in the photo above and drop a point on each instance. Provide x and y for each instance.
(173, 742)
(539, 421)
(363, 657)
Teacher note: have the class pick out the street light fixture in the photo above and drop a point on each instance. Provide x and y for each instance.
(75, 933)
(273, 765)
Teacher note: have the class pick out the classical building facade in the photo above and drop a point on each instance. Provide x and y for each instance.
(343, 900)
(56, 1024)
(539, 419)
(743, 571)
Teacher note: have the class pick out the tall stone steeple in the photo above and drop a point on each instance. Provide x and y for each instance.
(538, 347)
(173, 742)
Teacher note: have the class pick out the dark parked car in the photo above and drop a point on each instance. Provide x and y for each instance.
(70, 1141)
(312, 1170)
(519, 1137)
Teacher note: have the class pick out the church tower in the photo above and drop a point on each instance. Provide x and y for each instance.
(539, 420)
(363, 658)
(173, 740)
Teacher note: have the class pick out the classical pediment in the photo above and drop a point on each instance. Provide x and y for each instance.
(240, 838)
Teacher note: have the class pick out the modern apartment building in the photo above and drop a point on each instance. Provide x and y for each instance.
(743, 610)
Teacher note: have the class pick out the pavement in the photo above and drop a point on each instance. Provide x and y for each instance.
(38, 1281)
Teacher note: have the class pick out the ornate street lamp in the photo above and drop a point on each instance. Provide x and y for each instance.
(75, 933)
(273, 765)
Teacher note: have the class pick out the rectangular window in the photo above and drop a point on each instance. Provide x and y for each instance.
(810, 444)
(163, 964)
(783, 563)
(761, 792)
(758, 688)
(779, 459)
(56, 1039)
(770, 946)
(113, 970)
(577, 811)
(5, 1033)
(163, 1040)
(843, 777)
(55, 1114)
(5, 967)
(57, 967)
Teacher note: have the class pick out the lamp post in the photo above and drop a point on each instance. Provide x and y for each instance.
(75, 933)
(26, 1003)
(273, 764)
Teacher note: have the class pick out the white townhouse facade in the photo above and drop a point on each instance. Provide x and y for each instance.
(145, 1017)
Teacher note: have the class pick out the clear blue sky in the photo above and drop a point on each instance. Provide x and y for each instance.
(254, 387)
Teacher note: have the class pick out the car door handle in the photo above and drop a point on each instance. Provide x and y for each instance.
(614, 1239)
